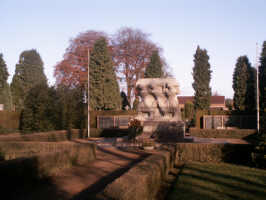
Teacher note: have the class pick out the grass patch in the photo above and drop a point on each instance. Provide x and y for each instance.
(209, 181)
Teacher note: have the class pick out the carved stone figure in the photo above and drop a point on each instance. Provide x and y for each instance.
(158, 99)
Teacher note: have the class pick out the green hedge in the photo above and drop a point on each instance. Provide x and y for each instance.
(25, 173)
(221, 133)
(143, 180)
(9, 120)
(51, 136)
(230, 153)
(14, 150)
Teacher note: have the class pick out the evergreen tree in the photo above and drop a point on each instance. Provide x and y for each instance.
(262, 83)
(5, 96)
(39, 110)
(202, 77)
(155, 67)
(29, 73)
(104, 89)
(244, 85)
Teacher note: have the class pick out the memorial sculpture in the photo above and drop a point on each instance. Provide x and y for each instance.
(158, 108)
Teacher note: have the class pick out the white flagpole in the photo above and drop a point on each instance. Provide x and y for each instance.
(88, 93)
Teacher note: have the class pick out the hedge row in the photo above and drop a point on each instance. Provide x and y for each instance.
(230, 153)
(142, 181)
(51, 136)
(25, 173)
(9, 120)
(14, 150)
(221, 133)
(112, 132)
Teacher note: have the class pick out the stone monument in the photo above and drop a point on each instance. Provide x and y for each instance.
(158, 109)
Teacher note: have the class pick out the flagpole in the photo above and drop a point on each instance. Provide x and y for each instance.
(88, 93)
(258, 101)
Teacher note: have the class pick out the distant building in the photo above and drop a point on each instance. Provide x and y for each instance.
(217, 102)
(1, 107)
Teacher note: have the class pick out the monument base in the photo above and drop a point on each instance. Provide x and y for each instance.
(164, 131)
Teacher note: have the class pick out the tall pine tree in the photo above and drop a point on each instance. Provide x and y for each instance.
(262, 83)
(244, 86)
(104, 88)
(29, 72)
(155, 67)
(5, 95)
(202, 77)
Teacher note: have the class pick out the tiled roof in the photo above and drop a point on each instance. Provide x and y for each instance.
(214, 99)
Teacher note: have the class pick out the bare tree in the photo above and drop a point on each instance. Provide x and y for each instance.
(132, 50)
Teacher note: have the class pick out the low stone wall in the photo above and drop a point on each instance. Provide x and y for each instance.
(142, 181)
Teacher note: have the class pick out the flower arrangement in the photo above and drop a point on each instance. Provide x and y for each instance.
(135, 128)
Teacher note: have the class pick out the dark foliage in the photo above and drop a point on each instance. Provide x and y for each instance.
(29, 73)
(104, 89)
(155, 67)
(202, 77)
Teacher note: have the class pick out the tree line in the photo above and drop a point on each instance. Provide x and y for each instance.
(243, 84)
(63, 105)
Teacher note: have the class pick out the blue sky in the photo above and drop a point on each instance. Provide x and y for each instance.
(226, 28)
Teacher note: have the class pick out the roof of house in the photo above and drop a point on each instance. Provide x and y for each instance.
(214, 99)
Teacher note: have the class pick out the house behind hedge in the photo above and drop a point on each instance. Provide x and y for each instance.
(216, 102)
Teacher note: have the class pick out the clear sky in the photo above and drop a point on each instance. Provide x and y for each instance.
(226, 28)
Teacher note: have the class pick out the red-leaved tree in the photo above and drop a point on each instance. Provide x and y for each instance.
(72, 71)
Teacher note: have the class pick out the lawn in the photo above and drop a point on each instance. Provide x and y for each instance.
(209, 181)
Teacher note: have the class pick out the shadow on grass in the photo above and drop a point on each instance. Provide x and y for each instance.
(195, 182)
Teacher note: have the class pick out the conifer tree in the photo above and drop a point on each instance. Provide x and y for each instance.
(244, 85)
(155, 67)
(104, 89)
(202, 77)
(5, 96)
(29, 73)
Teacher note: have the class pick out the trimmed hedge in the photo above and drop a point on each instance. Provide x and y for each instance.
(221, 133)
(14, 150)
(51, 136)
(143, 181)
(230, 153)
(25, 173)
(9, 120)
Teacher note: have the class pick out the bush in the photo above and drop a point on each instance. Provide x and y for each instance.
(134, 128)
(221, 133)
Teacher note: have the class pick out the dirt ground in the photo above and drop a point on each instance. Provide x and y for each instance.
(86, 181)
